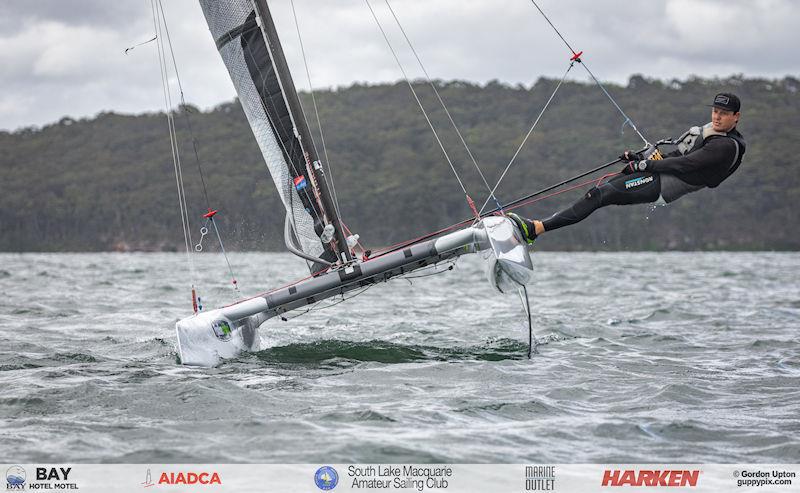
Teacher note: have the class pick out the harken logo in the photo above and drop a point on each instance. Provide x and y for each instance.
(189, 478)
(15, 478)
(667, 477)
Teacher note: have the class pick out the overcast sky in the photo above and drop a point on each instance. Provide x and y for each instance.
(65, 57)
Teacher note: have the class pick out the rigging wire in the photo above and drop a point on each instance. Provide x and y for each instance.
(316, 308)
(525, 139)
(421, 107)
(576, 57)
(211, 213)
(441, 101)
(514, 204)
(450, 264)
(183, 105)
(176, 163)
(331, 185)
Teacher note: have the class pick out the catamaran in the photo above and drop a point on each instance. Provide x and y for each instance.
(248, 43)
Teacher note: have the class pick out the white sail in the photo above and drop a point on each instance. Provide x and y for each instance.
(243, 49)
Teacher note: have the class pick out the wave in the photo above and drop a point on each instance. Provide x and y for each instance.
(333, 350)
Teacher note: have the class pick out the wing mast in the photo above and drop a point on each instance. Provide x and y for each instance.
(301, 129)
(248, 43)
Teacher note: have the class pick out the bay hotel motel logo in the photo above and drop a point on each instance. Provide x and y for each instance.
(47, 478)
(15, 478)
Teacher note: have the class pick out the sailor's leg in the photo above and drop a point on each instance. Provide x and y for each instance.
(636, 188)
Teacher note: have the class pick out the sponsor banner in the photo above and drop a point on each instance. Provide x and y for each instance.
(406, 478)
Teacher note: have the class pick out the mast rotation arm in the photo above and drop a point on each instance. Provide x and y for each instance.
(288, 234)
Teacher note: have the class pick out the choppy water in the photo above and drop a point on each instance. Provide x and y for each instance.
(690, 357)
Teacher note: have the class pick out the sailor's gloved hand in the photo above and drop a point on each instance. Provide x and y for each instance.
(634, 166)
(631, 156)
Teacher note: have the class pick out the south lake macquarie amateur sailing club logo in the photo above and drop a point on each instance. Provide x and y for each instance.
(326, 478)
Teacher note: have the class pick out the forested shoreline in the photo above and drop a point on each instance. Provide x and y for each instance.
(107, 183)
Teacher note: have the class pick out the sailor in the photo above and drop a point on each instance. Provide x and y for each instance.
(705, 157)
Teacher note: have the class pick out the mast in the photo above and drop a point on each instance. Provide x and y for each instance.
(300, 125)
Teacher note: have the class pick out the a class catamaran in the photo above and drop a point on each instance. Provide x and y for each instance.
(248, 43)
(247, 40)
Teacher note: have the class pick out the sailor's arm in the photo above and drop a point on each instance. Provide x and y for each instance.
(674, 153)
(711, 154)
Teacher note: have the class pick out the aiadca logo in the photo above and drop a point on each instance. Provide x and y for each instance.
(15, 478)
(181, 477)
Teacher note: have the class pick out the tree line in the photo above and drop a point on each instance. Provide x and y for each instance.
(107, 182)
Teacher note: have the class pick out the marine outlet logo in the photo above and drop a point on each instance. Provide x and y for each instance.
(15, 478)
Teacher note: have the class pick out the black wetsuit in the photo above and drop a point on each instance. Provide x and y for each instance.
(706, 165)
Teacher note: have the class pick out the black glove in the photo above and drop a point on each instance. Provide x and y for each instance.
(634, 167)
(631, 156)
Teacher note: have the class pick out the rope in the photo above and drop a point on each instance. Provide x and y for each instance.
(183, 105)
(176, 163)
(160, 8)
(444, 106)
(331, 184)
(530, 131)
(139, 44)
(316, 308)
(512, 205)
(424, 113)
(528, 199)
(576, 57)
(225, 254)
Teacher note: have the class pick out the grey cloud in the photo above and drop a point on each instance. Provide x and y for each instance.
(83, 12)
(65, 57)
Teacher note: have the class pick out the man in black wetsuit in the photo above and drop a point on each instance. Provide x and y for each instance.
(705, 157)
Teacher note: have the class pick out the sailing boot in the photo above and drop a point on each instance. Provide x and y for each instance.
(525, 226)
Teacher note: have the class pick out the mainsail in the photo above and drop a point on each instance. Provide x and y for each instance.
(248, 43)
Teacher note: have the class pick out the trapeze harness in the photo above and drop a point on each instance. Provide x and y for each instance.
(669, 179)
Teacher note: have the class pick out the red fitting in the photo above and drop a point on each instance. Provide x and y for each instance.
(474, 209)
(576, 57)
(210, 214)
